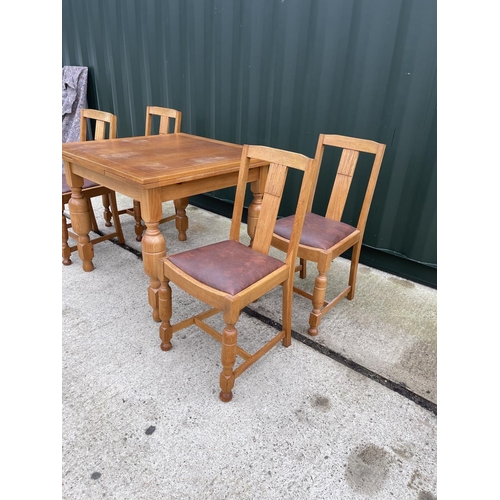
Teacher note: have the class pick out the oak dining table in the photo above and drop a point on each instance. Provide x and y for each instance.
(152, 170)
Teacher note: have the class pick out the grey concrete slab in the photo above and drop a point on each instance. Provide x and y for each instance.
(142, 423)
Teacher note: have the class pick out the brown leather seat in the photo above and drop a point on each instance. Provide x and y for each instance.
(228, 266)
(318, 231)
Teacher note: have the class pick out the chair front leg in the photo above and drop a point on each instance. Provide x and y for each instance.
(165, 311)
(66, 250)
(228, 358)
(317, 302)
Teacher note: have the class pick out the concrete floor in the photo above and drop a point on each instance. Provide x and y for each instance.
(350, 414)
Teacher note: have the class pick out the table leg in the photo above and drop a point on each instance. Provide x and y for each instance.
(80, 218)
(154, 247)
(257, 188)
(80, 222)
(181, 220)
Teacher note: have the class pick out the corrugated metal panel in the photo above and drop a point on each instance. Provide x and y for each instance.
(280, 72)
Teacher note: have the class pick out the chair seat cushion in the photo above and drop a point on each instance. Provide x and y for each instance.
(318, 232)
(228, 266)
(67, 189)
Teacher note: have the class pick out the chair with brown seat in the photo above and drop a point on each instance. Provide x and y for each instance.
(325, 237)
(91, 189)
(169, 122)
(229, 275)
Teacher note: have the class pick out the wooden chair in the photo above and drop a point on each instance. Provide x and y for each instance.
(170, 120)
(325, 237)
(91, 189)
(229, 275)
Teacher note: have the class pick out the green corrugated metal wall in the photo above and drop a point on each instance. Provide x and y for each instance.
(279, 73)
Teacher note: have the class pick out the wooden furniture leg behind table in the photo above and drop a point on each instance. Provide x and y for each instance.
(181, 220)
(257, 188)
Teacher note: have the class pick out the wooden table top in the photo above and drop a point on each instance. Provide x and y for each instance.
(156, 160)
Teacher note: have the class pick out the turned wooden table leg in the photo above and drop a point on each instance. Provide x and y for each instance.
(257, 188)
(154, 247)
(80, 222)
(80, 217)
(181, 220)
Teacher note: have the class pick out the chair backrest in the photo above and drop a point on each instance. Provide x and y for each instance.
(279, 163)
(351, 148)
(165, 114)
(101, 119)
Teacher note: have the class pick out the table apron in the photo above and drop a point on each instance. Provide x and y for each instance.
(170, 192)
(200, 186)
(127, 188)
